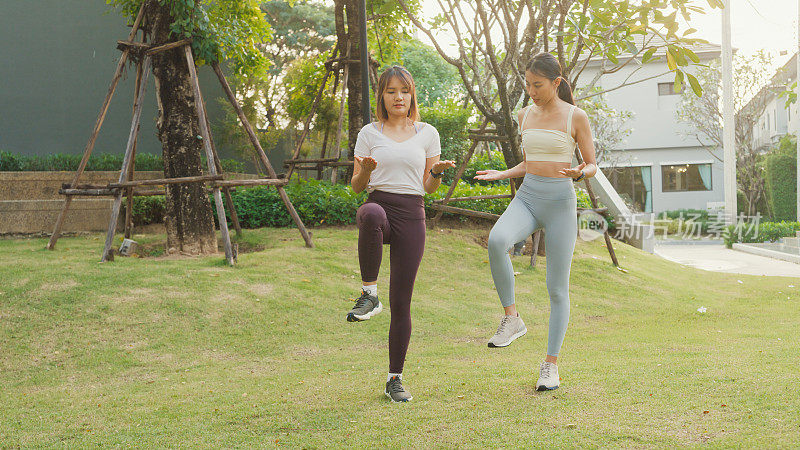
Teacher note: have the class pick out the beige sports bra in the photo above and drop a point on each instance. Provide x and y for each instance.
(541, 144)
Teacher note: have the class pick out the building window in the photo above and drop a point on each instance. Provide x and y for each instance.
(634, 185)
(686, 177)
(668, 89)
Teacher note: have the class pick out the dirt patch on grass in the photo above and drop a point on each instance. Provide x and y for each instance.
(157, 250)
(60, 286)
(261, 289)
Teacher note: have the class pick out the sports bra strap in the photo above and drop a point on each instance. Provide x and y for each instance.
(524, 118)
(569, 120)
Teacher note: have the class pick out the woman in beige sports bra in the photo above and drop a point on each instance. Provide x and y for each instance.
(551, 129)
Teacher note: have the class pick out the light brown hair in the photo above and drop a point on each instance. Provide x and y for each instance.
(405, 77)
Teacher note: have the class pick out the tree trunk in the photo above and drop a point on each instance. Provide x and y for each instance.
(188, 216)
(348, 18)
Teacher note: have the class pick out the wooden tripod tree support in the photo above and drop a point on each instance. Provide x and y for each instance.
(100, 118)
(332, 65)
(126, 184)
(487, 135)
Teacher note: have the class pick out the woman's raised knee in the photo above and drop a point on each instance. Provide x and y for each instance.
(498, 242)
(370, 214)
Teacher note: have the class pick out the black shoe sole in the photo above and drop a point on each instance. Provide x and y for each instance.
(352, 318)
(545, 388)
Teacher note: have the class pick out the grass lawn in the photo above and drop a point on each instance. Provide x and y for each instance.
(192, 353)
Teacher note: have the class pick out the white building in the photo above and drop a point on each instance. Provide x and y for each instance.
(657, 168)
(777, 120)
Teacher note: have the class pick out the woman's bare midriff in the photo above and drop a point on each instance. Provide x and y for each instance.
(546, 168)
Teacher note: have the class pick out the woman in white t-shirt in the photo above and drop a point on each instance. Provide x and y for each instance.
(397, 162)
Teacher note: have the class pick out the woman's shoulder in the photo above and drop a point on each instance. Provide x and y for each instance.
(425, 126)
(371, 126)
(578, 113)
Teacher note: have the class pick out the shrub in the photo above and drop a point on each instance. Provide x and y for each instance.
(98, 162)
(451, 121)
(147, 210)
(322, 203)
(483, 161)
(750, 232)
(780, 183)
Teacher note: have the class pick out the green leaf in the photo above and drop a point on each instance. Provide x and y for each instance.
(698, 90)
(692, 55)
(678, 82)
(671, 60)
(648, 55)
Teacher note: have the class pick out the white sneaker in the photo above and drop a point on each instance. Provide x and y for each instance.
(548, 377)
(511, 327)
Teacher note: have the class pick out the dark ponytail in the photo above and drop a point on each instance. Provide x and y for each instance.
(565, 91)
(546, 65)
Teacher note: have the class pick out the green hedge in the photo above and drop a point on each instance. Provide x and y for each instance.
(11, 162)
(321, 203)
(687, 219)
(780, 177)
(484, 161)
(763, 232)
(451, 121)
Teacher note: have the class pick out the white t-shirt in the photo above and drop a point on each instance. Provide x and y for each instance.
(401, 165)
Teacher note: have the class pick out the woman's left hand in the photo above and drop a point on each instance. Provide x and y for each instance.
(574, 172)
(440, 166)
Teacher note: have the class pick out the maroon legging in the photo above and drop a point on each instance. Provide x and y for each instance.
(397, 220)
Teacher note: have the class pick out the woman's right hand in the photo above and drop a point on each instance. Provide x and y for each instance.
(367, 163)
(489, 175)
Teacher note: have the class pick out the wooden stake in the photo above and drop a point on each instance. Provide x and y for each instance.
(129, 191)
(593, 199)
(307, 125)
(264, 160)
(464, 211)
(537, 235)
(476, 197)
(163, 181)
(225, 190)
(335, 169)
(137, 112)
(100, 118)
(459, 173)
(212, 168)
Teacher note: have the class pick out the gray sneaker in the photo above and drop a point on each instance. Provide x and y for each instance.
(395, 390)
(511, 327)
(366, 306)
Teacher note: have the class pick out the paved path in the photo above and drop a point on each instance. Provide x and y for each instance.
(715, 257)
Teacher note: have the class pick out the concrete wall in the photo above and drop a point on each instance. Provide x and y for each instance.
(58, 60)
(30, 202)
(654, 124)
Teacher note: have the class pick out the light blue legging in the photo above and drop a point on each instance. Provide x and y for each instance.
(541, 202)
